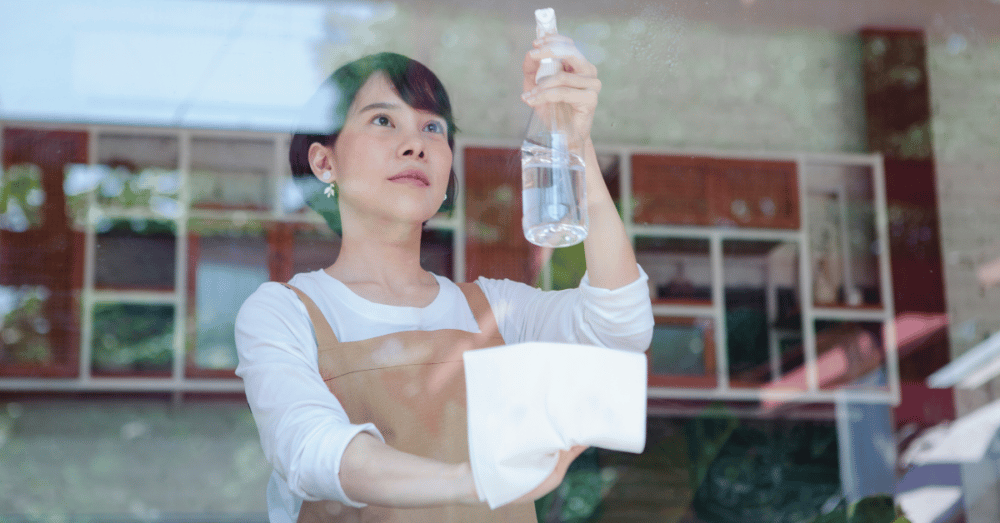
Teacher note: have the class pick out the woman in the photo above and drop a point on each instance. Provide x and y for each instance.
(384, 335)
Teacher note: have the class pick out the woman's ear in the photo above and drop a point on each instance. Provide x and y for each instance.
(321, 162)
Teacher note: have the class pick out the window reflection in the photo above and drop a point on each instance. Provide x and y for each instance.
(139, 171)
(228, 261)
(711, 466)
(763, 314)
(135, 254)
(132, 339)
(679, 269)
(726, 83)
(682, 353)
(21, 198)
(437, 252)
(843, 242)
(230, 173)
(313, 247)
(25, 326)
(850, 355)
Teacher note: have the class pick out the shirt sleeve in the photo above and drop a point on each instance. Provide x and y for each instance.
(619, 318)
(303, 428)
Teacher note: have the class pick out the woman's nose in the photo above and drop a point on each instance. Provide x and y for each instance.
(412, 146)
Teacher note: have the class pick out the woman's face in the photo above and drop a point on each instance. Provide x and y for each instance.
(390, 160)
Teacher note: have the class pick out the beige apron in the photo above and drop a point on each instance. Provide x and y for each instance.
(411, 385)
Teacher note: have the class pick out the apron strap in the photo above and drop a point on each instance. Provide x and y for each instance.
(480, 308)
(324, 333)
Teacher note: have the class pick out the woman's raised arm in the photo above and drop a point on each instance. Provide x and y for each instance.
(610, 259)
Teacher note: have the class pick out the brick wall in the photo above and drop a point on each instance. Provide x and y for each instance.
(965, 96)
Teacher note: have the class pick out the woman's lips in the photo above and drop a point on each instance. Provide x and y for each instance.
(413, 177)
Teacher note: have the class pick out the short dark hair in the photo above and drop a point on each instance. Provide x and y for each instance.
(323, 118)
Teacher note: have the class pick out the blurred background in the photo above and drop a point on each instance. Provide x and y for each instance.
(813, 188)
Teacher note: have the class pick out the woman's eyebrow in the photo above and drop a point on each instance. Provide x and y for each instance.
(378, 105)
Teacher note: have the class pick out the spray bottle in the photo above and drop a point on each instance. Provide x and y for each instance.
(552, 168)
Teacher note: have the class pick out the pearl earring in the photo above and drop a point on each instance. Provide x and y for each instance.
(331, 190)
(326, 176)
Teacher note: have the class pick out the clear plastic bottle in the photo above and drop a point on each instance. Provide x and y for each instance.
(554, 195)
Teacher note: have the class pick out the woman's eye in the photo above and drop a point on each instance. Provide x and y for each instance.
(435, 127)
(382, 120)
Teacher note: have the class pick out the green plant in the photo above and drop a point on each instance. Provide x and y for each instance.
(21, 197)
(879, 508)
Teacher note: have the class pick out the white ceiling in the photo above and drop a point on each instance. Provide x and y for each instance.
(973, 19)
(184, 62)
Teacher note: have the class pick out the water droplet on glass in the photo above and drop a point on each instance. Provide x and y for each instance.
(957, 43)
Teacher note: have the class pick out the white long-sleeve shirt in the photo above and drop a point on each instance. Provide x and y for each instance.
(304, 429)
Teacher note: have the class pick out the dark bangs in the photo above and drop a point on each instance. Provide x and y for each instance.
(421, 90)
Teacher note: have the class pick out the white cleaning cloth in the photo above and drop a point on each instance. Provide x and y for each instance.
(528, 401)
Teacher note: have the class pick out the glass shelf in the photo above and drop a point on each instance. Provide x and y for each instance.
(134, 171)
(843, 246)
(679, 269)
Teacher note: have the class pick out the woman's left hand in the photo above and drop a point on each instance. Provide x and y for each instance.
(577, 84)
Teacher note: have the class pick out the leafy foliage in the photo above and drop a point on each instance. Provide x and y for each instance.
(21, 198)
(872, 509)
(130, 336)
(25, 326)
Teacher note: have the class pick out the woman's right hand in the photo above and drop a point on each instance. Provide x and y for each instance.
(576, 84)
(565, 458)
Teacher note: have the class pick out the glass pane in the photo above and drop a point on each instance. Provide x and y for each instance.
(437, 252)
(135, 254)
(25, 328)
(682, 348)
(843, 241)
(230, 172)
(134, 171)
(679, 269)
(132, 339)
(229, 262)
(763, 319)
(850, 355)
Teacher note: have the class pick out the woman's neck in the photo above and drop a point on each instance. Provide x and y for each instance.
(382, 265)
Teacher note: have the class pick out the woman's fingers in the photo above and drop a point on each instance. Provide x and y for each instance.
(555, 46)
(576, 84)
(551, 38)
(571, 455)
(581, 99)
(580, 93)
(572, 59)
(566, 457)
(566, 80)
